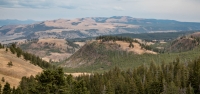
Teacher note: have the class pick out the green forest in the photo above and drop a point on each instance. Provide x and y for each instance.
(172, 78)
(165, 73)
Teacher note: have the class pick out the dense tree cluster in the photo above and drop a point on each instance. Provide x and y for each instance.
(72, 44)
(127, 39)
(1, 46)
(115, 38)
(172, 78)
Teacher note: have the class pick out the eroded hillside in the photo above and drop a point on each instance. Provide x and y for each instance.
(51, 49)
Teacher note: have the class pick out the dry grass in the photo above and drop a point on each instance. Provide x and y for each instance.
(59, 43)
(50, 46)
(87, 23)
(78, 74)
(80, 43)
(57, 56)
(19, 69)
(197, 34)
(137, 48)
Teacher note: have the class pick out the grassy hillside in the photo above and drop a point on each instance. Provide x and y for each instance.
(183, 43)
(20, 68)
(99, 57)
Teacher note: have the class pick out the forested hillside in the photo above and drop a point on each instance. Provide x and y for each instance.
(172, 78)
(113, 71)
(105, 51)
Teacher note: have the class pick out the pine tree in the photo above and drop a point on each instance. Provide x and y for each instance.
(10, 64)
(109, 88)
(195, 76)
(155, 88)
(171, 89)
(3, 79)
(0, 46)
(6, 49)
(12, 50)
(0, 89)
(19, 91)
(190, 90)
(7, 89)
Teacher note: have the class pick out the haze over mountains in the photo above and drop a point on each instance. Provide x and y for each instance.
(91, 27)
(15, 22)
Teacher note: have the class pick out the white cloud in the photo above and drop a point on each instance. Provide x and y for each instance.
(118, 8)
(184, 10)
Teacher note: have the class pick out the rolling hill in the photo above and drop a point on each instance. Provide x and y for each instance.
(184, 43)
(20, 68)
(91, 27)
(100, 53)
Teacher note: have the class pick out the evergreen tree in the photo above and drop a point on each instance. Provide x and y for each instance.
(171, 88)
(6, 49)
(190, 90)
(10, 64)
(0, 89)
(19, 91)
(7, 89)
(3, 79)
(1, 46)
(12, 49)
(109, 88)
(195, 76)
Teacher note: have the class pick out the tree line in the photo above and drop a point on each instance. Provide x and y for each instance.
(27, 56)
(115, 38)
(170, 78)
(129, 40)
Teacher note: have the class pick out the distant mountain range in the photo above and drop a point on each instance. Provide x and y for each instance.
(15, 22)
(91, 27)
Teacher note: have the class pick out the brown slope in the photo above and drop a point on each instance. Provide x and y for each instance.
(19, 69)
(185, 43)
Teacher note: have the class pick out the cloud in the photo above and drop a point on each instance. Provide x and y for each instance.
(53, 9)
(36, 4)
(68, 7)
(118, 8)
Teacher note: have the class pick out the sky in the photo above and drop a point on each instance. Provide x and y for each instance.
(181, 10)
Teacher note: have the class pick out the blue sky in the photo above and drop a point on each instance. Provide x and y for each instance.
(181, 10)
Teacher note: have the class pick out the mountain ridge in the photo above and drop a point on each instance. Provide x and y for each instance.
(92, 27)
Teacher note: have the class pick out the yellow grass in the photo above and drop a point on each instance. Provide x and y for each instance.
(78, 74)
(137, 48)
(19, 69)
(87, 23)
(57, 56)
(58, 42)
(80, 43)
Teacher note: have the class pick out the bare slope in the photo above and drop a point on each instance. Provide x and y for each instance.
(19, 69)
